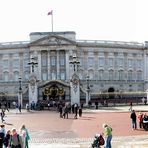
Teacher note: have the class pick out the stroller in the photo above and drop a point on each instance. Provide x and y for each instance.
(145, 123)
(98, 141)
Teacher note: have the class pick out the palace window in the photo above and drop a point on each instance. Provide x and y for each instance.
(121, 74)
(53, 75)
(5, 63)
(139, 63)
(6, 76)
(62, 61)
(111, 74)
(90, 62)
(26, 76)
(53, 61)
(16, 76)
(62, 75)
(139, 75)
(130, 75)
(101, 73)
(120, 62)
(101, 61)
(44, 76)
(130, 63)
(16, 63)
(110, 62)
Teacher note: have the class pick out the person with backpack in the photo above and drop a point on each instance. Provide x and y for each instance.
(107, 135)
(15, 140)
(2, 135)
(7, 139)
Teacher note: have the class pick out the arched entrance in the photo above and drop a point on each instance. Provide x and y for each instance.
(111, 91)
(53, 92)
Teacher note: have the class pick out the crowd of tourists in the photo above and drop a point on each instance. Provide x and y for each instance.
(67, 108)
(13, 138)
(141, 118)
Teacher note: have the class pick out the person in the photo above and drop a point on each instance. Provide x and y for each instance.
(27, 106)
(17, 107)
(2, 135)
(7, 139)
(25, 136)
(107, 132)
(76, 110)
(134, 120)
(20, 108)
(2, 116)
(65, 114)
(140, 119)
(80, 111)
(15, 140)
(131, 106)
(61, 110)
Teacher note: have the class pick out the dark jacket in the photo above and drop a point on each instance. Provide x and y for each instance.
(133, 116)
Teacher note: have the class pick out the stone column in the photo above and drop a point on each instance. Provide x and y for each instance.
(39, 65)
(75, 89)
(67, 65)
(49, 72)
(33, 93)
(58, 67)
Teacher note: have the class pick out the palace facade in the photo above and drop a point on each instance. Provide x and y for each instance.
(105, 68)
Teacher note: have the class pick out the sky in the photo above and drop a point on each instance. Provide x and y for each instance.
(116, 20)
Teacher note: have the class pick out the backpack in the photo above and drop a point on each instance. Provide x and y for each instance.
(101, 140)
(2, 136)
(17, 146)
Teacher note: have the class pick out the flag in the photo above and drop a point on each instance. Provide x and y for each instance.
(49, 13)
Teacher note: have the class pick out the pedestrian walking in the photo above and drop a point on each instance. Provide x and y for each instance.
(2, 135)
(15, 140)
(80, 111)
(7, 139)
(140, 119)
(2, 116)
(65, 114)
(61, 110)
(20, 108)
(134, 120)
(76, 110)
(107, 132)
(131, 106)
(25, 136)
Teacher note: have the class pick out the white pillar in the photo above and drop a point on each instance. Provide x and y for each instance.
(33, 94)
(20, 99)
(147, 95)
(75, 94)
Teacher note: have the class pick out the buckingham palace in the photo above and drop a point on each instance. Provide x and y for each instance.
(57, 66)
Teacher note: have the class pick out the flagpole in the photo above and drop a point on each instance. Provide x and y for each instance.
(51, 13)
(52, 20)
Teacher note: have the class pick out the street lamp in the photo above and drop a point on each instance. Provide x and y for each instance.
(75, 62)
(88, 90)
(20, 92)
(20, 84)
(32, 63)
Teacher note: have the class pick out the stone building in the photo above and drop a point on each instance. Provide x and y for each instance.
(116, 69)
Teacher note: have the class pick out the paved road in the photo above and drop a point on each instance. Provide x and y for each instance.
(48, 130)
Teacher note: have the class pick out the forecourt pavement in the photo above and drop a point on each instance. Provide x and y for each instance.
(48, 130)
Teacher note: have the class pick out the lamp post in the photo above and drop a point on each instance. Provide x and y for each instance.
(32, 63)
(88, 90)
(75, 63)
(20, 92)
